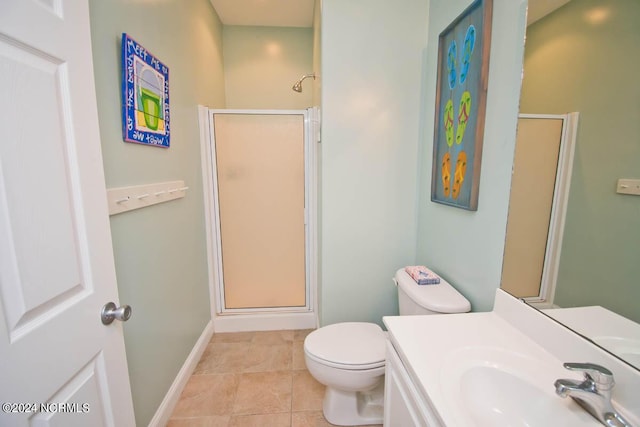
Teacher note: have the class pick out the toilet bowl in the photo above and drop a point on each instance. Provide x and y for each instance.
(349, 358)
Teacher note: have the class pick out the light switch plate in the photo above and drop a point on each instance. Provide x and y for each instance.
(629, 186)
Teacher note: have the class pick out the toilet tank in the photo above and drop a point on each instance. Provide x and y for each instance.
(428, 299)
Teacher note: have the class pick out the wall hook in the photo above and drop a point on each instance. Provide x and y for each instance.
(125, 199)
(178, 189)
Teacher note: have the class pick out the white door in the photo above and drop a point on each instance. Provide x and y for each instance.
(56, 259)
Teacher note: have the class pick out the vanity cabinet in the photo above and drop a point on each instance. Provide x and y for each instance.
(403, 405)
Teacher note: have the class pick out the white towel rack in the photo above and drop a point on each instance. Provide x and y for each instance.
(123, 199)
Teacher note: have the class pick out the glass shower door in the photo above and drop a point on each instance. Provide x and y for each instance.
(260, 171)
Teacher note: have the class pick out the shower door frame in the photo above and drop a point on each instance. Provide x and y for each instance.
(551, 264)
(262, 318)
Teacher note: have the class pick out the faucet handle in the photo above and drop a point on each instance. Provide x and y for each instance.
(600, 375)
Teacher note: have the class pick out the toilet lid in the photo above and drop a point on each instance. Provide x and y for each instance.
(353, 345)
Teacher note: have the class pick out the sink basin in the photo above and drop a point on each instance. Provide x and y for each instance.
(497, 398)
(496, 387)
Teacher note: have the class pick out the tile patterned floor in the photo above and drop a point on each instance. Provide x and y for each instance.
(252, 379)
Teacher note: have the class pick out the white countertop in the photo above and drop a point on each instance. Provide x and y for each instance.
(437, 349)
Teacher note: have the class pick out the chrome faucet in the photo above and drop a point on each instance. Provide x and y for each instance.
(593, 393)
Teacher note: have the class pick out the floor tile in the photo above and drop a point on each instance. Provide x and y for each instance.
(263, 393)
(273, 337)
(298, 356)
(206, 395)
(309, 419)
(223, 358)
(215, 421)
(264, 358)
(315, 419)
(247, 379)
(301, 334)
(307, 392)
(233, 337)
(267, 420)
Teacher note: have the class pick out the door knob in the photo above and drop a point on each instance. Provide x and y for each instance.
(110, 312)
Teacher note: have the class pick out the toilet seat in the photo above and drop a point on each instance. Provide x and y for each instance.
(346, 367)
(349, 346)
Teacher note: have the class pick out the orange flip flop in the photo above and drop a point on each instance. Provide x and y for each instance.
(461, 169)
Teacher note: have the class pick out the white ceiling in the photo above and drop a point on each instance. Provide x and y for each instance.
(270, 13)
(299, 13)
(541, 8)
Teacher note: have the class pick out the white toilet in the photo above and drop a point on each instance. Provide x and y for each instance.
(349, 358)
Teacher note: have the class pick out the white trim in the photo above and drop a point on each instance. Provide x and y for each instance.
(207, 189)
(259, 112)
(265, 322)
(558, 207)
(542, 305)
(162, 415)
(215, 255)
(542, 116)
(312, 127)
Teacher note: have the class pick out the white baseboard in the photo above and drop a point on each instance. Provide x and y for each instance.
(264, 322)
(162, 415)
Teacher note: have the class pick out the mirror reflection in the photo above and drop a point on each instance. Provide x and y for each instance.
(577, 237)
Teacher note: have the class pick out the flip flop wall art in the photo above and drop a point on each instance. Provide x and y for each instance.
(463, 69)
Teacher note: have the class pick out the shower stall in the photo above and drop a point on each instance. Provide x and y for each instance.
(260, 180)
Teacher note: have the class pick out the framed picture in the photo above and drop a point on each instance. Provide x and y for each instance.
(145, 102)
(461, 93)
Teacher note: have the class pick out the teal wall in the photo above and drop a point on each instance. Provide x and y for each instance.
(159, 251)
(378, 96)
(370, 88)
(466, 247)
(585, 57)
(262, 63)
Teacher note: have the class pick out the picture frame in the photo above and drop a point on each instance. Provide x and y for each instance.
(145, 91)
(461, 93)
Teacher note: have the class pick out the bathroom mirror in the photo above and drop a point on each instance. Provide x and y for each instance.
(584, 57)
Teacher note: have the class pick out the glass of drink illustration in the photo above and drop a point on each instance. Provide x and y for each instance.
(150, 99)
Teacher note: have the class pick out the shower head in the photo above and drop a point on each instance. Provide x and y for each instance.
(298, 85)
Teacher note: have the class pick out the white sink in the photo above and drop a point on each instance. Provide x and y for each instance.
(490, 369)
(493, 397)
(495, 387)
